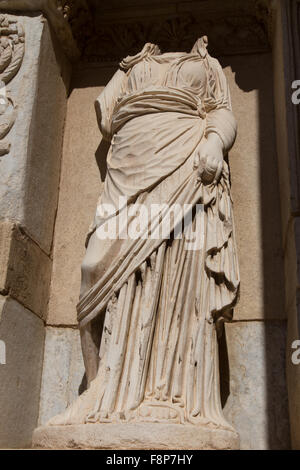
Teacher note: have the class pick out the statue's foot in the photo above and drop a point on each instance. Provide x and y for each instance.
(77, 412)
(159, 412)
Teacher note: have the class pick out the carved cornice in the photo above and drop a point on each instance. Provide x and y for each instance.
(106, 33)
(109, 30)
(51, 9)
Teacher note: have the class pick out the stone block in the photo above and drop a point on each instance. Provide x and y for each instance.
(254, 176)
(292, 262)
(25, 270)
(30, 172)
(252, 364)
(20, 377)
(288, 196)
(63, 371)
(293, 369)
(135, 436)
(83, 168)
(254, 387)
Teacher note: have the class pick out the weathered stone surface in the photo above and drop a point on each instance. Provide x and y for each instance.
(63, 371)
(6, 235)
(79, 191)
(25, 269)
(293, 369)
(286, 64)
(135, 436)
(257, 404)
(292, 277)
(288, 26)
(288, 198)
(45, 145)
(20, 378)
(292, 262)
(286, 70)
(253, 163)
(30, 171)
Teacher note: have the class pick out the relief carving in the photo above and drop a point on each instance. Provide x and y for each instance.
(236, 28)
(229, 35)
(12, 47)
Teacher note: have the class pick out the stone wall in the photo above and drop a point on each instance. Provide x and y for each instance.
(29, 174)
(286, 71)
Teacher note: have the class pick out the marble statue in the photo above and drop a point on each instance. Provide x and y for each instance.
(150, 309)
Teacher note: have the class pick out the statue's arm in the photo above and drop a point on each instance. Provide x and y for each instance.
(220, 118)
(221, 126)
(106, 102)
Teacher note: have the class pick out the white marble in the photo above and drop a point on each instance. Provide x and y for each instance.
(63, 371)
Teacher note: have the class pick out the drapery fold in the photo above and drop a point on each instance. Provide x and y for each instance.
(161, 294)
(221, 259)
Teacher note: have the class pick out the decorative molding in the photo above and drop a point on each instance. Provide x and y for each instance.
(264, 12)
(106, 31)
(12, 47)
(52, 10)
(230, 35)
(78, 16)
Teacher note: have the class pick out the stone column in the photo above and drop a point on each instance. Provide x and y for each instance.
(34, 78)
(286, 57)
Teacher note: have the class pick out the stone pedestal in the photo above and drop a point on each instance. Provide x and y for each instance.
(135, 436)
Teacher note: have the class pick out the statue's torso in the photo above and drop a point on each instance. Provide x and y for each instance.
(178, 70)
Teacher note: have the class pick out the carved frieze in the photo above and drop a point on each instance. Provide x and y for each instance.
(12, 47)
(231, 35)
(106, 33)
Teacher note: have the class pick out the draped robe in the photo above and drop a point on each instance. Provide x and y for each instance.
(160, 301)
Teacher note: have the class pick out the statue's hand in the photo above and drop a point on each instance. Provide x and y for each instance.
(209, 159)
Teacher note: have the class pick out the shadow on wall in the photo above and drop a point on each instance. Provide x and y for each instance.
(92, 79)
(258, 76)
(101, 156)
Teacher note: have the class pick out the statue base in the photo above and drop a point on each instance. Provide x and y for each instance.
(135, 436)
